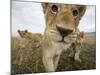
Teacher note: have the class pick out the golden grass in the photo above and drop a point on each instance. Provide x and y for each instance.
(90, 39)
(25, 58)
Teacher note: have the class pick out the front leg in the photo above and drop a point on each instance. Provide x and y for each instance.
(56, 60)
(77, 54)
(48, 64)
(72, 50)
(75, 47)
(48, 61)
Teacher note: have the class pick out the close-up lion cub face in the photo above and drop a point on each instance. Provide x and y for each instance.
(62, 19)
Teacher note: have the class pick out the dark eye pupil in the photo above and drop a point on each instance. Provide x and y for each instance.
(54, 8)
(75, 12)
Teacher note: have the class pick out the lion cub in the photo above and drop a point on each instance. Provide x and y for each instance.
(34, 38)
(61, 22)
(75, 46)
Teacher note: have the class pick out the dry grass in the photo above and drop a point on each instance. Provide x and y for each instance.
(90, 39)
(27, 59)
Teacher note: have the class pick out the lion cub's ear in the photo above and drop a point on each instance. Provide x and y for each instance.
(18, 30)
(82, 9)
(44, 6)
(82, 34)
(26, 31)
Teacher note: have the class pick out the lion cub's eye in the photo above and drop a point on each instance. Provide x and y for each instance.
(54, 9)
(75, 12)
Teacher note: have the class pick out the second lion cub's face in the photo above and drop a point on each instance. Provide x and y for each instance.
(62, 19)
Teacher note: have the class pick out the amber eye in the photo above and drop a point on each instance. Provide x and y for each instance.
(75, 12)
(54, 9)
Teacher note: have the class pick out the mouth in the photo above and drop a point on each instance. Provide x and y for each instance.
(62, 41)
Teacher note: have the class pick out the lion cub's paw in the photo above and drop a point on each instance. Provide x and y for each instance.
(78, 59)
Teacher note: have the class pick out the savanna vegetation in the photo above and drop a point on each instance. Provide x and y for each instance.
(25, 58)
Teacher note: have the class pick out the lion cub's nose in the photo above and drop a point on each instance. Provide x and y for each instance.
(64, 32)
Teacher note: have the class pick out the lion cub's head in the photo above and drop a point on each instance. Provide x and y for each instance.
(22, 33)
(62, 19)
(33, 38)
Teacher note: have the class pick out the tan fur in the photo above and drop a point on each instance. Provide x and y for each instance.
(78, 45)
(61, 32)
(67, 17)
(75, 47)
(34, 38)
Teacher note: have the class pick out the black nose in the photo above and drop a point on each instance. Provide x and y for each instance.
(64, 32)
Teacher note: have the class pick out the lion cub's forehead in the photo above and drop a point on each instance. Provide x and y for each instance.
(67, 6)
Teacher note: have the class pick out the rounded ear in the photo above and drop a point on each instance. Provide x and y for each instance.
(82, 34)
(44, 6)
(26, 31)
(82, 9)
(18, 30)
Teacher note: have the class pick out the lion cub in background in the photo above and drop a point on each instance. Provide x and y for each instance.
(60, 34)
(34, 38)
(75, 46)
